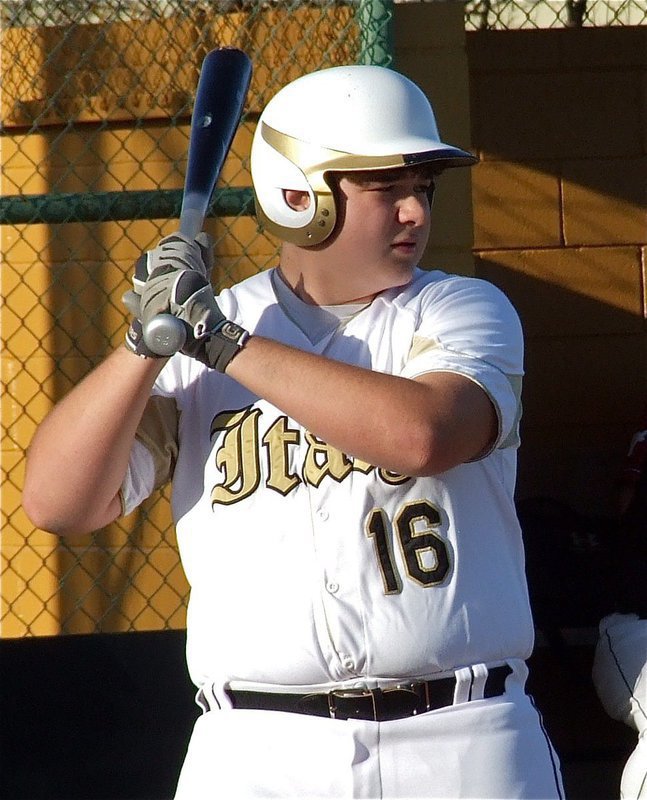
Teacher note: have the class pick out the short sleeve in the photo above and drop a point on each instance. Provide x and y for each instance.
(469, 327)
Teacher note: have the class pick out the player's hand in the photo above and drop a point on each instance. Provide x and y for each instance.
(174, 251)
(175, 281)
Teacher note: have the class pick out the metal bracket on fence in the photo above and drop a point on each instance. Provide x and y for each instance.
(108, 206)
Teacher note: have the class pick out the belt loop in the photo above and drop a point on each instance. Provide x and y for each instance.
(208, 700)
(480, 672)
(463, 685)
(332, 708)
(201, 701)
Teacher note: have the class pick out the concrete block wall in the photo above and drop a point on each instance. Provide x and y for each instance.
(430, 49)
(559, 120)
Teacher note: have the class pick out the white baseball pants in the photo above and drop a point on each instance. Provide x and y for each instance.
(489, 748)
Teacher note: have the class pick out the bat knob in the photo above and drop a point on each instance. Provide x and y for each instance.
(165, 335)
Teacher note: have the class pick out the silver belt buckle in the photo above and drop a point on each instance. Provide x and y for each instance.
(332, 709)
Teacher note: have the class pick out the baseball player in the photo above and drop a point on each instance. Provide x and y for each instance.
(620, 659)
(341, 434)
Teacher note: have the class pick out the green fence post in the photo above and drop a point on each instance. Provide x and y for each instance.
(376, 32)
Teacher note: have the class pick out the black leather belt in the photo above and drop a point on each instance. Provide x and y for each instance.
(380, 705)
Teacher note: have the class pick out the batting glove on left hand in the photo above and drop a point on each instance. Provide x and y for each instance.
(177, 251)
(177, 284)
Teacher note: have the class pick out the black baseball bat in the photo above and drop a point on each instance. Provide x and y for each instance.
(220, 97)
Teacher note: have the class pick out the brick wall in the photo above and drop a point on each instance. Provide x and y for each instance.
(559, 121)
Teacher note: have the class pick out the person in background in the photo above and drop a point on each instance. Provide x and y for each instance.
(620, 658)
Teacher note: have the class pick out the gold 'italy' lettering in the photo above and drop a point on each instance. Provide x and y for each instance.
(322, 460)
(238, 457)
(392, 478)
(276, 441)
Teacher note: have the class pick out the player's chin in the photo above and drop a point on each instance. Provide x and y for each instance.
(406, 255)
(403, 260)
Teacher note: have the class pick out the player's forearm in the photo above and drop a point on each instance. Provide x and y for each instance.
(391, 422)
(79, 455)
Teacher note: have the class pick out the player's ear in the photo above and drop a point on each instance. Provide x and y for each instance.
(297, 200)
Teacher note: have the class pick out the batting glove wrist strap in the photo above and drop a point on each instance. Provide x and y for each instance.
(223, 344)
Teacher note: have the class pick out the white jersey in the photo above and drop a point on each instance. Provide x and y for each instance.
(310, 567)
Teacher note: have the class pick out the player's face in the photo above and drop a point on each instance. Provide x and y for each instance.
(383, 226)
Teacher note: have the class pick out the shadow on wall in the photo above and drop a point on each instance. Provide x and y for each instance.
(585, 379)
(560, 213)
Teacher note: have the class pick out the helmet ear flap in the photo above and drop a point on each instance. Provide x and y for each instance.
(273, 174)
(305, 228)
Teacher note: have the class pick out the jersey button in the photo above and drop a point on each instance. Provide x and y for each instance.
(323, 515)
(332, 587)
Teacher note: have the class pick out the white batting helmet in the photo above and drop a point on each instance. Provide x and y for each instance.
(340, 119)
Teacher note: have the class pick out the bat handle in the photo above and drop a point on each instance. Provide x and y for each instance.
(165, 335)
(191, 221)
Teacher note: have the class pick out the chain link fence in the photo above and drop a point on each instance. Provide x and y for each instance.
(96, 103)
(483, 15)
(95, 106)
